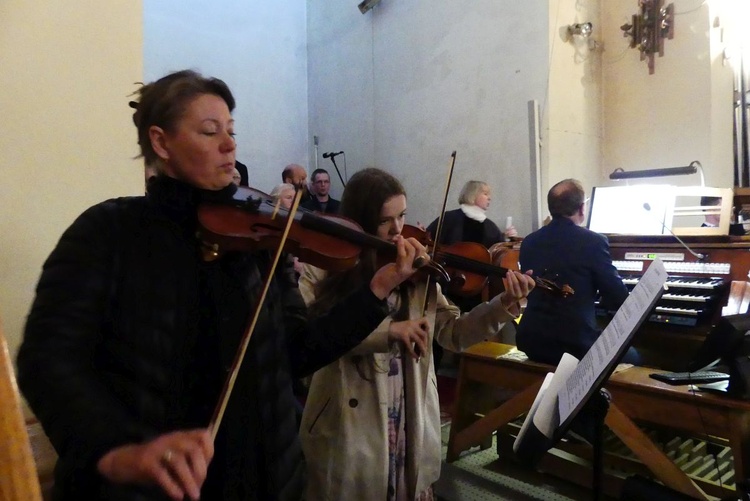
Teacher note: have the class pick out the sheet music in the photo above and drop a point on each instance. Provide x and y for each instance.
(601, 354)
(532, 411)
(545, 417)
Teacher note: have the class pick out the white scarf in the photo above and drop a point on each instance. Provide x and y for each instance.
(474, 212)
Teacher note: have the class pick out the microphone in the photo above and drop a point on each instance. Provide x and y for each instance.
(699, 257)
(332, 154)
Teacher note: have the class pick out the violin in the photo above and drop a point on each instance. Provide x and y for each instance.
(469, 265)
(251, 221)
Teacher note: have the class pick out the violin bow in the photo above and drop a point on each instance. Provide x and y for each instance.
(439, 229)
(240, 355)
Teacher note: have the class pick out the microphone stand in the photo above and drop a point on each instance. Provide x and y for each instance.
(337, 169)
(699, 257)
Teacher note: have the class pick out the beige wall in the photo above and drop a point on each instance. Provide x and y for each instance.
(572, 146)
(66, 137)
(682, 112)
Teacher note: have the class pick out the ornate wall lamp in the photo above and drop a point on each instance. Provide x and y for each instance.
(649, 28)
(583, 30)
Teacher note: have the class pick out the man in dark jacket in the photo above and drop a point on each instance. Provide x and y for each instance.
(320, 199)
(570, 254)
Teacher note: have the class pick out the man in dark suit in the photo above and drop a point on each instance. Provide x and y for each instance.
(320, 200)
(569, 254)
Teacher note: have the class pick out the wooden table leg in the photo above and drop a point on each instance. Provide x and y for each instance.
(464, 436)
(650, 455)
(739, 441)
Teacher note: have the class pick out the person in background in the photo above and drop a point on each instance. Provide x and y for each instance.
(320, 200)
(236, 177)
(568, 253)
(284, 194)
(296, 175)
(468, 223)
(130, 336)
(242, 169)
(371, 425)
(711, 220)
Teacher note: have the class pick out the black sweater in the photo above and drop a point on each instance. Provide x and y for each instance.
(131, 334)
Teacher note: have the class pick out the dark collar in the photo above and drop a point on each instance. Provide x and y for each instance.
(178, 196)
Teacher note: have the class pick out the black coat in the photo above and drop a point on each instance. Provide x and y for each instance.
(454, 222)
(131, 334)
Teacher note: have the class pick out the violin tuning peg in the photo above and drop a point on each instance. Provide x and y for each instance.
(209, 252)
(420, 261)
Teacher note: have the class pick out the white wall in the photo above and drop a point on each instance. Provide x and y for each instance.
(399, 88)
(259, 50)
(412, 80)
(66, 137)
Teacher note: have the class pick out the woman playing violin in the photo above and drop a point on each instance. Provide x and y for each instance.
(468, 223)
(371, 425)
(128, 341)
(283, 194)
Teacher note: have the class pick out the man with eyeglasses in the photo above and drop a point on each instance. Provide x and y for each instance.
(320, 200)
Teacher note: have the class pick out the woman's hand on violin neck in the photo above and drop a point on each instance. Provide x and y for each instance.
(391, 275)
(413, 334)
(517, 286)
(177, 462)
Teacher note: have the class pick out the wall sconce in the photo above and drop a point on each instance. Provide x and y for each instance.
(649, 28)
(367, 5)
(580, 29)
(695, 166)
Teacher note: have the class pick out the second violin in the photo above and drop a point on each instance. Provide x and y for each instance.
(469, 265)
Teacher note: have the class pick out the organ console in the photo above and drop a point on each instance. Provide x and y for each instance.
(700, 292)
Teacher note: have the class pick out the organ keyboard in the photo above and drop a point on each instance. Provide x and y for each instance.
(688, 301)
(698, 290)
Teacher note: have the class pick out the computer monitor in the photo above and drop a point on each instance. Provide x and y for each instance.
(631, 210)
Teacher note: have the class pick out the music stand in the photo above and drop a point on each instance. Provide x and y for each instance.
(584, 381)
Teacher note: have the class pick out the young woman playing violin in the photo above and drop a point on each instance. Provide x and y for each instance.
(371, 425)
(131, 334)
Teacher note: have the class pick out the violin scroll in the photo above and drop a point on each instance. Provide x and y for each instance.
(424, 262)
(563, 291)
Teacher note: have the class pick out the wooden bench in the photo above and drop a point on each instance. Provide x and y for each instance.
(45, 456)
(635, 398)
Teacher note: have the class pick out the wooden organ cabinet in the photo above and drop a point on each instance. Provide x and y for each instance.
(700, 291)
(697, 444)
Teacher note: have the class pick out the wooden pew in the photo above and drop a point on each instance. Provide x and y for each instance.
(18, 475)
(635, 398)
